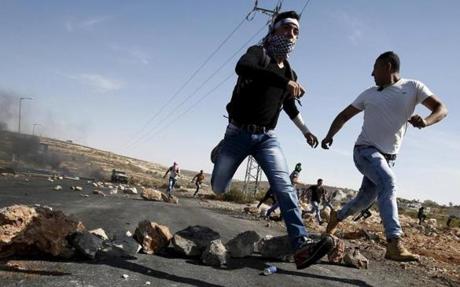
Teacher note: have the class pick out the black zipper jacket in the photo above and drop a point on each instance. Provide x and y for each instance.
(260, 92)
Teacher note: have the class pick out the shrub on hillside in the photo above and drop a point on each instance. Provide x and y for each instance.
(236, 195)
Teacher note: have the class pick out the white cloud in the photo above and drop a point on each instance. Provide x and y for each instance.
(135, 54)
(84, 24)
(354, 27)
(99, 83)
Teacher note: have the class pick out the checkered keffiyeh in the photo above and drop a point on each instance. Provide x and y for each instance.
(280, 46)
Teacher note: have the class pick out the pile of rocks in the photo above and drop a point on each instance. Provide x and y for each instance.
(25, 229)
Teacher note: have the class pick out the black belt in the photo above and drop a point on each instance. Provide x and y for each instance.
(251, 128)
(387, 156)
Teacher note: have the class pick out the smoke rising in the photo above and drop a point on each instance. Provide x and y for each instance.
(8, 109)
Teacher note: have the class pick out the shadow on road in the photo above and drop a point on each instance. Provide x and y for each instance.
(322, 277)
(119, 263)
(134, 267)
(33, 272)
(259, 264)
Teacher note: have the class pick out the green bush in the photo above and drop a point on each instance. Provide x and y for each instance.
(236, 195)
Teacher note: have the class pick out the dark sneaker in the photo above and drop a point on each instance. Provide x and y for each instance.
(310, 252)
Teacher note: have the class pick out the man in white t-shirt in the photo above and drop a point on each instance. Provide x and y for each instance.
(174, 173)
(388, 108)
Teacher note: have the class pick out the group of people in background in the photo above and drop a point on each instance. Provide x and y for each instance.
(174, 174)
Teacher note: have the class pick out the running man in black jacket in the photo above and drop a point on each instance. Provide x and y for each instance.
(266, 85)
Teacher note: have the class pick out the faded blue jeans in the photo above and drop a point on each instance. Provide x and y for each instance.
(379, 183)
(316, 210)
(171, 184)
(265, 148)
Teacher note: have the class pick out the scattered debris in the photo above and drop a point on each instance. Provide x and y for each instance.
(99, 232)
(152, 236)
(277, 247)
(355, 259)
(243, 244)
(121, 246)
(170, 199)
(151, 194)
(251, 209)
(98, 192)
(87, 243)
(215, 254)
(193, 240)
(338, 251)
(130, 190)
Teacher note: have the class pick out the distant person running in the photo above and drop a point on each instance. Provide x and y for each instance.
(294, 177)
(388, 108)
(317, 193)
(421, 215)
(174, 173)
(450, 219)
(267, 85)
(198, 181)
(268, 195)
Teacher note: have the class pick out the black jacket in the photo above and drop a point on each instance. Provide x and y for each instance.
(260, 92)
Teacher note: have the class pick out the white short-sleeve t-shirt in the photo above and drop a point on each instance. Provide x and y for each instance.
(386, 113)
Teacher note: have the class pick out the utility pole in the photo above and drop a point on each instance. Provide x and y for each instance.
(33, 128)
(252, 177)
(20, 106)
(253, 174)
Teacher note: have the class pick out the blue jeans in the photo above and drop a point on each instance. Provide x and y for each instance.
(171, 184)
(316, 211)
(378, 183)
(265, 148)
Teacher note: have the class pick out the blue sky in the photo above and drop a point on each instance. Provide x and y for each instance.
(99, 72)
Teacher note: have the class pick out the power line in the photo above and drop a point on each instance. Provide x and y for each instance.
(196, 103)
(152, 131)
(304, 6)
(192, 76)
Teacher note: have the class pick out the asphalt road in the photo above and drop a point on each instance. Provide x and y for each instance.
(120, 213)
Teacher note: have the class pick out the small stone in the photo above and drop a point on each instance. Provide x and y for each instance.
(243, 244)
(215, 254)
(125, 276)
(99, 232)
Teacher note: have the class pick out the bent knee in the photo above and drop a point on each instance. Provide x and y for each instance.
(218, 187)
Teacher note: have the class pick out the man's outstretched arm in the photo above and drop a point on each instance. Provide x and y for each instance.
(438, 112)
(166, 173)
(338, 123)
